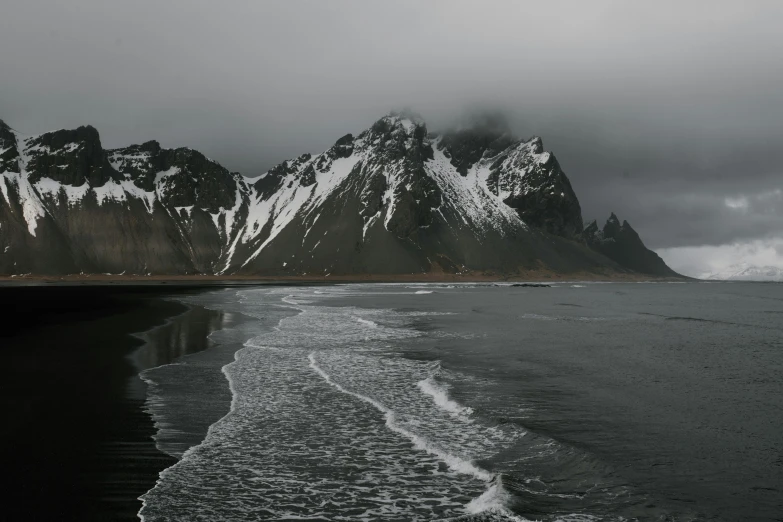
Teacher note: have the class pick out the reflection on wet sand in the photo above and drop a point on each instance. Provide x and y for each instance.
(131, 458)
(185, 334)
(180, 377)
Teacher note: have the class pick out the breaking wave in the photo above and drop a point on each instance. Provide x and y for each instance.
(441, 399)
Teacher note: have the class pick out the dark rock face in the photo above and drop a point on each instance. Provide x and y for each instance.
(9, 154)
(621, 243)
(184, 177)
(400, 149)
(372, 195)
(343, 147)
(68, 156)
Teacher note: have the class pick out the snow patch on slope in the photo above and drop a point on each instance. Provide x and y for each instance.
(292, 199)
(51, 188)
(118, 191)
(162, 186)
(469, 196)
(32, 207)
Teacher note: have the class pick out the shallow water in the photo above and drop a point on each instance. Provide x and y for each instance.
(478, 402)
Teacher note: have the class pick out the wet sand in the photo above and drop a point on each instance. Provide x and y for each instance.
(77, 443)
(428, 277)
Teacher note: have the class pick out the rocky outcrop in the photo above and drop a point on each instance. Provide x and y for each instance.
(182, 177)
(621, 243)
(394, 199)
(71, 157)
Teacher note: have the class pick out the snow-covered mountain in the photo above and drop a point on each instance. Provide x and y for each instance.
(746, 272)
(394, 199)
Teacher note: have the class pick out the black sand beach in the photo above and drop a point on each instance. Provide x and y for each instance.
(77, 443)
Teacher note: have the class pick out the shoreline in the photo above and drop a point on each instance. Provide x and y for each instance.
(81, 446)
(440, 277)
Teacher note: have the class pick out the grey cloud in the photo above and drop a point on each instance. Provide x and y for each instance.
(658, 112)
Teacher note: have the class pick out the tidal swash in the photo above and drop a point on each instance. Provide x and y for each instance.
(477, 402)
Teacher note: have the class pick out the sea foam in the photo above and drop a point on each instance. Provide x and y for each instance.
(441, 398)
(326, 419)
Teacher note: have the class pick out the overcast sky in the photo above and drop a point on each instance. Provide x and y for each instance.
(668, 113)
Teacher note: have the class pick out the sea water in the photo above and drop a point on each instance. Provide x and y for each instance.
(477, 402)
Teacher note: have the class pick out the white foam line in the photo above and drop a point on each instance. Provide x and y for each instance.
(234, 397)
(441, 398)
(371, 324)
(190, 450)
(455, 463)
(493, 500)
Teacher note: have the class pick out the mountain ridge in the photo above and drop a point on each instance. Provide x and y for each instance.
(746, 272)
(394, 199)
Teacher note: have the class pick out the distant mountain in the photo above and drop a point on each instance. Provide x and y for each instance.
(394, 199)
(746, 272)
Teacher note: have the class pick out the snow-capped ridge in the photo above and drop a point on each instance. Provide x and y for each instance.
(746, 272)
(391, 199)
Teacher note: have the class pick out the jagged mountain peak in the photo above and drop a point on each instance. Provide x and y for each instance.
(67, 156)
(396, 176)
(150, 146)
(535, 144)
(393, 131)
(621, 243)
(390, 199)
(591, 229)
(612, 228)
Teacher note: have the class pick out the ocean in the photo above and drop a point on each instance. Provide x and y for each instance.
(476, 402)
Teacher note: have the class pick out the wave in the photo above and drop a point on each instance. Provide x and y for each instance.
(423, 292)
(455, 463)
(540, 317)
(441, 398)
(367, 322)
(494, 501)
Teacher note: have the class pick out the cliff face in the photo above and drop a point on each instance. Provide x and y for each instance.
(393, 199)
